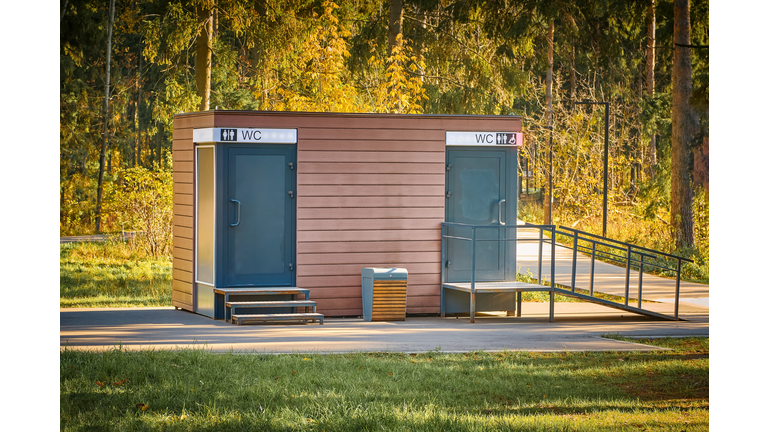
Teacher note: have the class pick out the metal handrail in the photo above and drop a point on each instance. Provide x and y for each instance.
(626, 244)
(628, 253)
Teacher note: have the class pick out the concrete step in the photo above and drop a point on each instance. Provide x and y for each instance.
(240, 319)
(231, 307)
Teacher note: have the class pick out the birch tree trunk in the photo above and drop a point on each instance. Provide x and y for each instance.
(684, 127)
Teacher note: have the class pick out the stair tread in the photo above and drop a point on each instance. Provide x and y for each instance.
(307, 314)
(273, 303)
(238, 319)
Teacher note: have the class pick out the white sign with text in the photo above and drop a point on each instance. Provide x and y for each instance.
(513, 139)
(245, 135)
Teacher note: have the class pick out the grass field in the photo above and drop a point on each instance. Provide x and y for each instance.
(434, 391)
(111, 274)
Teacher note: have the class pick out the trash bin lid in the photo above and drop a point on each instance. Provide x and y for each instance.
(385, 273)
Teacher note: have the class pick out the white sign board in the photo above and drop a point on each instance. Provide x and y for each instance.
(245, 135)
(513, 139)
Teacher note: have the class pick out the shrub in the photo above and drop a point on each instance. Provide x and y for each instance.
(142, 201)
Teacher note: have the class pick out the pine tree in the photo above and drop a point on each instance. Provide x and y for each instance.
(684, 130)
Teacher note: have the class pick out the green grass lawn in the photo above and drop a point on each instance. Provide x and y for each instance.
(111, 274)
(434, 391)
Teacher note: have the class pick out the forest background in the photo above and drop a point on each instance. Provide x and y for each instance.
(125, 73)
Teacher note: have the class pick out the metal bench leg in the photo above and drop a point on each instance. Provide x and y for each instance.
(472, 307)
(551, 306)
(519, 303)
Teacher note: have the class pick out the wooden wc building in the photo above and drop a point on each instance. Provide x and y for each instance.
(309, 199)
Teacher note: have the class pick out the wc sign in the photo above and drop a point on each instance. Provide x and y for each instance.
(511, 139)
(245, 135)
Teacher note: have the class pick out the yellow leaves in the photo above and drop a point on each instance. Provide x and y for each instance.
(142, 406)
(401, 90)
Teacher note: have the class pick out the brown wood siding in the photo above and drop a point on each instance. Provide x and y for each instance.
(370, 193)
(183, 207)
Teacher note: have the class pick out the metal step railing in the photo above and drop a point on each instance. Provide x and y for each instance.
(629, 256)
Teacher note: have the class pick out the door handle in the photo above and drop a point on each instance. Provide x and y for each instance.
(500, 221)
(238, 213)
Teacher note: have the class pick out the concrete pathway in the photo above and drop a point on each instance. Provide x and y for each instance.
(577, 327)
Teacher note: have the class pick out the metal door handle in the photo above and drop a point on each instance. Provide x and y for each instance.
(501, 201)
(238, 213)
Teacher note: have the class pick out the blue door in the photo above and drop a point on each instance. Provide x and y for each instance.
(476, 182)
(260, 216)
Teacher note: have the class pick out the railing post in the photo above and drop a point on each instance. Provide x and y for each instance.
(552, 286)
(472, 294)
(626, 282)
(640, 283)
(573, 267)
(552, 261)
(541, 247)
(677, 288)
(442, 270)
(592, 271)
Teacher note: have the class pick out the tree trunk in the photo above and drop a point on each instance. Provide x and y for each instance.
(650, 65)
(395, 23)
(160, 135)
(549, 199)
(204, 55)
(103, 153)
(573, 72)
(395, 29)
(137, 122)
(684, 127)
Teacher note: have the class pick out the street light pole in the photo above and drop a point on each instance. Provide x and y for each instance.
(605, 161)
(551, 197)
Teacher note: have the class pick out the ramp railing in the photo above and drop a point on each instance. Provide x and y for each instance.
(629, 256)
(626, 255)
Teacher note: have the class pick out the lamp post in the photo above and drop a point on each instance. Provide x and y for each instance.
(605, 161)
(551, 195)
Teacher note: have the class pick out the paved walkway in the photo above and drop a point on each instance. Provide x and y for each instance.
(577, 326)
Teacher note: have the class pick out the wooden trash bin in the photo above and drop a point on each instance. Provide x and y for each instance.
(384, 293)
